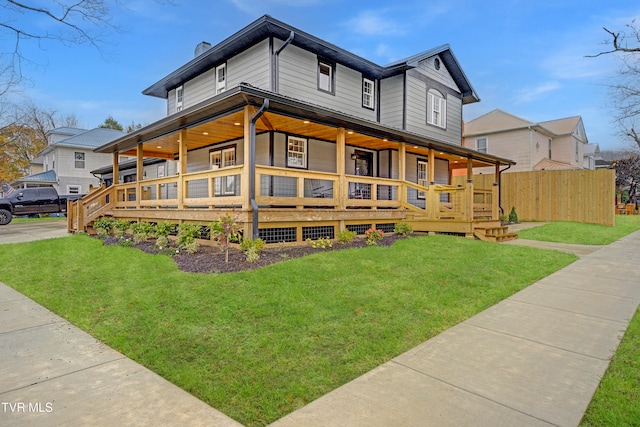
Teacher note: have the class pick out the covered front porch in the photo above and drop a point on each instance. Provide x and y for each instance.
(288, 171)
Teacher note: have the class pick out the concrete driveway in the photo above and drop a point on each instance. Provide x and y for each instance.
(19, 232)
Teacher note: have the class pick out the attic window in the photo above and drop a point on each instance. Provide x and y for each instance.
(325, 77)
(436, 63)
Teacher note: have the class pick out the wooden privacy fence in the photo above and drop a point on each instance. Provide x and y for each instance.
(556, 195)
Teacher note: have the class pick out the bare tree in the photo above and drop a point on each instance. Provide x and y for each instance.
(626, 89)
(70, 22)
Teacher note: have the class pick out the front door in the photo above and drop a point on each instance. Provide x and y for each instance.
(363, 167)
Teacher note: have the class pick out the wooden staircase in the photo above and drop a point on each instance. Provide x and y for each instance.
(492, 231)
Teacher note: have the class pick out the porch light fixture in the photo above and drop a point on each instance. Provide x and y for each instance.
(205, 133)
(350, 132)
(306, 122)
(237, 124)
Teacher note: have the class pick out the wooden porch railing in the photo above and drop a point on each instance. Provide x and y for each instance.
(287, 188)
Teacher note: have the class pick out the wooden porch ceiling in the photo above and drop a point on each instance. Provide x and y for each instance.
(230, 127)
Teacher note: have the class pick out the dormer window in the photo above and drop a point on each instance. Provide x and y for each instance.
(221, 78)
(179, 98)
(325, 77)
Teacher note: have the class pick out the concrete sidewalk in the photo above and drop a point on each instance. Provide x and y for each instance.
(54, 374)
(535, 359)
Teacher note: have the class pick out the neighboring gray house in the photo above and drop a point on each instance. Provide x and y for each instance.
(67, 161)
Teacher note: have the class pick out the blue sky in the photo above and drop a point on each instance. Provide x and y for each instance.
(524, 57)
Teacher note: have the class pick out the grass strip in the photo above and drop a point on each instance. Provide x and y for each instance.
(584, 234)
(260, 344)
(616, 402)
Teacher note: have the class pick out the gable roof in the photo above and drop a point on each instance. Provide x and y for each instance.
(564, 126)
(88, 139)
(48, 176)
(66, 130)
(495, 121)
(266, 26)
(548, 164)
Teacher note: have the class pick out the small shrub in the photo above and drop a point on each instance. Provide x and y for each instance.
(103, 226)
(373, 236)
(321, 243)
(141, 231)
(191, 247)
(187, 234)
(346, 236)
(403, 229)
(120, 227)
(252, 254)
(513, 216)
(127, 243)
(252, 249)
(162, 230)
(162, 241)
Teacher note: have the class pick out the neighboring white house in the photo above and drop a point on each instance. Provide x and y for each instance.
(67, 161)
(554, 144)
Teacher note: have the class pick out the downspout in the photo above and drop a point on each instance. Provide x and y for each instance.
(276, 74)
(252, 166)
(500, 189)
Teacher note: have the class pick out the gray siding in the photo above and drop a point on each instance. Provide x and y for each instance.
(392, 101)
(250, 66)
(298, 78)
(417, 87)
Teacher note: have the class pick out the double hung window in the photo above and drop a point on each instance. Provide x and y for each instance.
(296, 152)
(368, 93)
(482, 145)
(436, 109)
(79, 158)
(179, 98)
(422, 177)
(221, 78)
(223, 158)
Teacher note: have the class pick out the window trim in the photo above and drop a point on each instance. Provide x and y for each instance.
(332, 76)
(223, 185)
(221, 86)
(305, 152)
(421, 194)
(179, 98)
(76, 160)
(486, 144)
(434, 95)
(372, 94)
(77, 187)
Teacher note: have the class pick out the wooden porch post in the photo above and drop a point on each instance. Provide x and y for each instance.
(495, 195)
(402, 171)
(342, 191)
(432, 197)
(244, 179)
(182, 166)
(469, 191)
(139, 174)
(116, 169)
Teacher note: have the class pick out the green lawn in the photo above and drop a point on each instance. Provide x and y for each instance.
(259, 344)
(585, 234)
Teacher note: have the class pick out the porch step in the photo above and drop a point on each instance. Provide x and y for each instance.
(493, 233)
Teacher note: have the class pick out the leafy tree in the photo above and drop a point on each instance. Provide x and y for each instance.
(111, 123)
(626, 90)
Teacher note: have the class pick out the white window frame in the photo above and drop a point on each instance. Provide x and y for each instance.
(297, 152)
(74, 189)
(368, 93)
(479, 147)
(326, 79)
(79, 156)
(179, 98)
(423, 176)
(221, 78)
(219, 159)
(436, 109)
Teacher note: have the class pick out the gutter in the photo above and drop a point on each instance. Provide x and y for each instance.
(252, 167)
(500, 188)
(276, 63)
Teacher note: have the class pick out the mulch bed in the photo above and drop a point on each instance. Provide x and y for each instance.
(209, 259)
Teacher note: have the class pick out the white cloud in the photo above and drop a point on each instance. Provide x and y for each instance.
(530, 94)
(373, 23)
